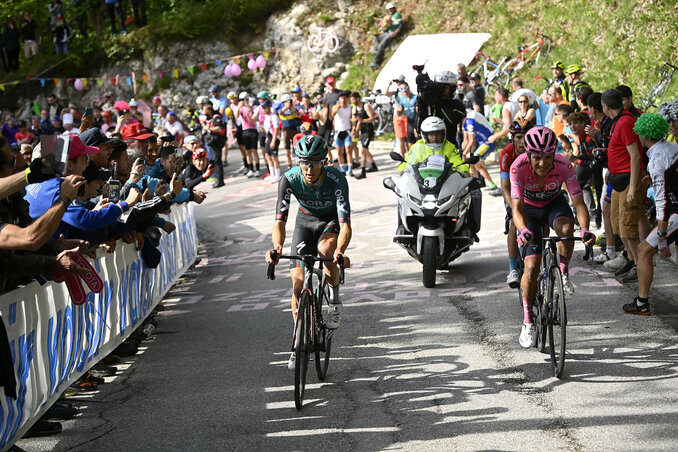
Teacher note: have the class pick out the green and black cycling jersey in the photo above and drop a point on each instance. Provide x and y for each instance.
(327, 200)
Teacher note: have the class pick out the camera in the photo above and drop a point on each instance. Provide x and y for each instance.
(429, 92)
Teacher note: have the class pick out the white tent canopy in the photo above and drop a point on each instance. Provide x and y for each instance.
(440, 52)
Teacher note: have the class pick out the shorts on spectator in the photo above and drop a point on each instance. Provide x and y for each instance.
(342, 142)
(262, 140)
(272, 146)
(249, 138)
(30, 49)
(671, 232)
(238, 136)
(366, 138)
(625, 216)
(400, 126)
(485, 150)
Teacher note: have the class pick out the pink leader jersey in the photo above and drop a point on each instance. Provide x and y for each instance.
(524, 182)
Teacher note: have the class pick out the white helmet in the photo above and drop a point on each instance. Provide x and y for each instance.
(231, 95)
(201, 100)
(433, 124)
(243, 95)
(285, 97)
(446, 77)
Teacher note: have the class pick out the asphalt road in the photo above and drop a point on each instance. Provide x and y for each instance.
(411, 369)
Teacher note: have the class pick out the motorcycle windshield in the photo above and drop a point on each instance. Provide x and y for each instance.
(431, 169)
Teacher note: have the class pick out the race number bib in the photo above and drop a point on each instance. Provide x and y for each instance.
(430, 182)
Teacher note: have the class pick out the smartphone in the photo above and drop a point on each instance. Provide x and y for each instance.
(89, 111)
(114, 186)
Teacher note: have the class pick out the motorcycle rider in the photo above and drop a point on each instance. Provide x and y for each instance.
(433, 141)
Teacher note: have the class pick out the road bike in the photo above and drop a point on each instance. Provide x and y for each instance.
(311, 336)
(656, 93)
(494, 74)
(549, 310)
(326, 38)
(539, 50)
(383, 111)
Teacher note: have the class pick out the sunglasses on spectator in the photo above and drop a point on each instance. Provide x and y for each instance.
(523, 102)
(315, 164)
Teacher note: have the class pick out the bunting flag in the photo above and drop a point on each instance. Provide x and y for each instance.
(203, 66)
(160, 74)
(191, 69)
(145, 77)
(114, 80)
(100, 82)
(42, 82)
(69, 80)
(236, 59)
(218, 63)
(84, 82)
(57, 81)
(2, 87)
(176, 73)
(267, 54)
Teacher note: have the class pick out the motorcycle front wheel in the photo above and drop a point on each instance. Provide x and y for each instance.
(429, 258)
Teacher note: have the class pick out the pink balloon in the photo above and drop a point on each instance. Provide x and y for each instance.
(252, 65)
(261, 61)
(236, 70)
(228, 71)
(78, 84)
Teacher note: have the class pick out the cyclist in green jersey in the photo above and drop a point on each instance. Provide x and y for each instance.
(323, 223)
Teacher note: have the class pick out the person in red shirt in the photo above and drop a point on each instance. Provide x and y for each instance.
(511, 151)
(24, 136)
(625, 162)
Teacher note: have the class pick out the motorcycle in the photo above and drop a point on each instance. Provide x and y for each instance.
(438, 212)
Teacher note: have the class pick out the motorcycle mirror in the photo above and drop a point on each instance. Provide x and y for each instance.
(388, 183)
(396, 156)
(472, 160)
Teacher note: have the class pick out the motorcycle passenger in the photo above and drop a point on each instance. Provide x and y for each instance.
(438, 100)
(537, 203)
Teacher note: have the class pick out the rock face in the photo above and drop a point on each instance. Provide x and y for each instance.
(292, 65)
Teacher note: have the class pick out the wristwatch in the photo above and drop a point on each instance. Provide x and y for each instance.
(660, 233)
(172, 195)
(64, 201)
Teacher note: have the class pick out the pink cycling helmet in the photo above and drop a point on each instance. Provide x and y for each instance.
(541, 140)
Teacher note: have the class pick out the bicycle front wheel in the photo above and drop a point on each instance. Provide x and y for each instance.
(543, 53)
(556, 318)
(379, 122)
(301, 348)
(332, 43)
(323, 343)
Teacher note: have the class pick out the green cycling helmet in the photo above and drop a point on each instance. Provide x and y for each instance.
(263, 94)
(558, 65)
(311, 147)
(572, 69)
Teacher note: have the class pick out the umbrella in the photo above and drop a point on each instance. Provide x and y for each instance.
(121, 105)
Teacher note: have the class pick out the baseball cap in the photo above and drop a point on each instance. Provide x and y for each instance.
(171, 113)
(285, 98)
(329, 80)
(296, 90)
(93, 172)
(243, 95)
(157, 99)
(475, 76)
(104, 114)
(133, 103)
(305, 95)
(199, 153)
(135, 131)
(94, 137)
(58, 118)
(79, 148)
(390, 5)
(191, 139)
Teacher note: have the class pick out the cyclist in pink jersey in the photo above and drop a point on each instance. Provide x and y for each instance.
(538, 203)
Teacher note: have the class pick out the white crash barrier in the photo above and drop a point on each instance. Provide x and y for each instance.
(54, 341)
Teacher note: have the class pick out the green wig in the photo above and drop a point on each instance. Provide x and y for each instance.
(651, 126)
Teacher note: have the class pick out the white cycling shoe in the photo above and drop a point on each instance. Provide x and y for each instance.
(333, 316)
(568, 287)
(292, 361)
(513, 279)
(528, 335)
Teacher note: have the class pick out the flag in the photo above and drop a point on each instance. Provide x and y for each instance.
(176, 73)
(57, 81)
(100, 82)
(160, 74)
(191, 69)
(2, 87)
(129, 81)
(84, 82)
(236, 60)
(218, 63)
(42, 82)
(203, 66)
(114, 80)
(266, 54)
(145, 77)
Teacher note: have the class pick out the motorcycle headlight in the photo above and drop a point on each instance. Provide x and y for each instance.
(429, 205)
(442, 201)
(414, 199)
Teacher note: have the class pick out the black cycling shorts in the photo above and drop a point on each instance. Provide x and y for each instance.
(537, 217)
(262, 140)
(270, 146)
(307, 233)
(238, 136)
(249, 138)
(325, 132)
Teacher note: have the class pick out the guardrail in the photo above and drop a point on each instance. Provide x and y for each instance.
(53, 342)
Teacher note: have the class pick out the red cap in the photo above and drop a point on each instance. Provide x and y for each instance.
(135, 131)
(157, 99)
(199, 153)
(78, 147)
(329, 80)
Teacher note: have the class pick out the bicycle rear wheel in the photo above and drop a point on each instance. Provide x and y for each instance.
(556, 318)
(323, 343)
(301, 348)
(379, 122)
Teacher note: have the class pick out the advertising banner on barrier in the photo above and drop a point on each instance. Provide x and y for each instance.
(53, 341)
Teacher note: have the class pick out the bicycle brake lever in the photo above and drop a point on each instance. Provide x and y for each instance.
(270, 273)
(340, 261)
(588, 253)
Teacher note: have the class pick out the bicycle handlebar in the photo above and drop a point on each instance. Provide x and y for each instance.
(308, 259)
(587, 255)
